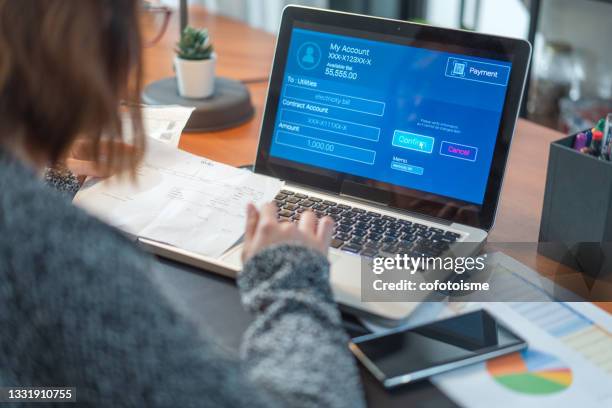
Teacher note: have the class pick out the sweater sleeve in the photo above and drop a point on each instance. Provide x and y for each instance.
(296, 348)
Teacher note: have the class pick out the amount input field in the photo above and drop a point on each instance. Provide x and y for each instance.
(325, 147)
(342, 127)
(324, 98)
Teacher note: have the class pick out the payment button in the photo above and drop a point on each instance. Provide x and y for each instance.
(458, 151)
(413, 141)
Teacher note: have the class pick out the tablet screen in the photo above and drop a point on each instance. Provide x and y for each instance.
(414, 117)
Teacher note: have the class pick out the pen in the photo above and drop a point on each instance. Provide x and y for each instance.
(606, 147)
(580, 141)
(596, 143)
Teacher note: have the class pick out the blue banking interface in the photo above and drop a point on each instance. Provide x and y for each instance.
(413, 117)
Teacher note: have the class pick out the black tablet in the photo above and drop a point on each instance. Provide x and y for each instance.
(405, 115)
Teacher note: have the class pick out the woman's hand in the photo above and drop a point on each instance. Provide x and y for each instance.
(264, 230)
(81, 159)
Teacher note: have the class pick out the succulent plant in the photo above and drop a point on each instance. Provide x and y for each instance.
(194, 44)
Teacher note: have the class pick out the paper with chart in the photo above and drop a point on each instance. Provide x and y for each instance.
(568, 362)
(180, 199)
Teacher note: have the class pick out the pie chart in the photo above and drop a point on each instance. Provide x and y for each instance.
(530, 372)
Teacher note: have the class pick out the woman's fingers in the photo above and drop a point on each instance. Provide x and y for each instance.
(308, 223)
(252, 221)
(325, 230)
(267, 216)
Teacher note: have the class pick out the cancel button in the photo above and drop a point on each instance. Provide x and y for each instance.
(458, 151)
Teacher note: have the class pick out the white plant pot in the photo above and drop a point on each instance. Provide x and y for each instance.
(195, 78)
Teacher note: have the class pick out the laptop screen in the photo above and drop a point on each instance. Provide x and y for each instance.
(415, 117)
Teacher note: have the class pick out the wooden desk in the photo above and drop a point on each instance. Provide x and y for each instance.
(245, 53)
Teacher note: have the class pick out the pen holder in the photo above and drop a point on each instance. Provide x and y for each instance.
(576, 225)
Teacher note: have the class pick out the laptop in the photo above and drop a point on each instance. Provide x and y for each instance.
(399, 131)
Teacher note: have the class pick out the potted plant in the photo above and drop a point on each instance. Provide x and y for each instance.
(195, 64)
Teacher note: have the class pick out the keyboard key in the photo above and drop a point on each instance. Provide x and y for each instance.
(354, 248)
(336, 243)
(394, 226)
(286, 192)
(343, 228)
(315, 199)
(299, 195)
(437, 230)
(344, 206)
(358, 210)
(389, 218)
(374, 237)
(292, 200)
(373, 244)
(306, 203)
(389, 248)
(358, 240)
(379, 222)
(319, 207)
(335, 210)
(369, 252)
(280, 197)
(342, 236)
(329, 203)
(373, 214)
(291, 207)
(452, 234)
(285, 213)
(359, 232)
(423, 233)
(361, 224)
(349, 215)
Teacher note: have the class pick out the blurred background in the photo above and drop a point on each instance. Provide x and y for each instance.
(570, 85)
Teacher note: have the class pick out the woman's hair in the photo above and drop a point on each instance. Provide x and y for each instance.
(66, 66)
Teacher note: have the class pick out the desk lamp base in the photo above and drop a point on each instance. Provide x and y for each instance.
(228, 107)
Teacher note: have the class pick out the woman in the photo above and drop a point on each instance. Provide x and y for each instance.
(77, 307)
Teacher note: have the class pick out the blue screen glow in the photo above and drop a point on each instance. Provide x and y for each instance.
(412, 117)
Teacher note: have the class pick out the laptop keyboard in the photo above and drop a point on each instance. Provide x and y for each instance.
(367, 233)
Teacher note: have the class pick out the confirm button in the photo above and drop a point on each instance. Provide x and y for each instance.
(458, 151)
(413, 141)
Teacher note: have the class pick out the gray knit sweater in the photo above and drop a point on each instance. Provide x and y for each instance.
(78, 308)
